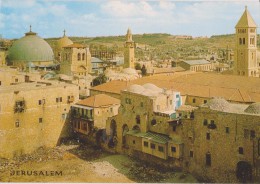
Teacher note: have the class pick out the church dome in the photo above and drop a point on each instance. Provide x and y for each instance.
(219, 104)
(30, 48)
(253, 108)
(64, 41)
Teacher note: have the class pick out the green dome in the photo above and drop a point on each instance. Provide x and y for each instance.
(30, 48)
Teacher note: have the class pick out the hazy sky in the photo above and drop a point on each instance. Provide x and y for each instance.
(103, 17)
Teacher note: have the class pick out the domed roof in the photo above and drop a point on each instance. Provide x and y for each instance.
(30, 48)
(253, 108)
(135, 88)
(152, 87)
(219, 104)
(64, 41)
(129, 71)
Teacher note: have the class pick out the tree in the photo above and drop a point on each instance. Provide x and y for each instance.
(99, 80)
(144, 71)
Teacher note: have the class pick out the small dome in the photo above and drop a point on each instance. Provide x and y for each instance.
(253, 108)
(30, 48)
(129, 71)
(149, 92)
(219, 104)
(152, 87)
(135, 88)
(64, 41)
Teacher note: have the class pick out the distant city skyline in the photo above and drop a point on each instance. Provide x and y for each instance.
(111, 18)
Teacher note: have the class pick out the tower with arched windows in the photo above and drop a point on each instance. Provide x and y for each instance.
(246, 47)
(76, 60)
(129, 53)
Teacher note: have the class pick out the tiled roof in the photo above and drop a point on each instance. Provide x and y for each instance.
(197, 62)
(159, 138)
(208, 85)
(99, 101)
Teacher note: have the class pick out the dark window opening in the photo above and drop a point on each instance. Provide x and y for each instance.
(138, 119)
(133, 141)
(40, 120)
(152, 146)
(205, 122)
(227, 130)
(160, 148)
(145, 144)
(193, 100)
(205, 101)
(17, 124)
(39, 102)
(241, 150)
(208, 136)
(174, 128)
(208, 159)
(153, 122)
(173, 149)
(191, 154)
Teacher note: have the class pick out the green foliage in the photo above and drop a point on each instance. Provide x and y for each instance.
(138, 66)
(99, 80)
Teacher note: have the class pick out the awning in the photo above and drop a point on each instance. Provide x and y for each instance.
(82, 107)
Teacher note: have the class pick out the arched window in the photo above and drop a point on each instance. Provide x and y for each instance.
(153, 122)
(79, 56)
(240, 41)
(83, 56)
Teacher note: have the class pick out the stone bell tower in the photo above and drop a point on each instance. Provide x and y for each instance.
(129, 52)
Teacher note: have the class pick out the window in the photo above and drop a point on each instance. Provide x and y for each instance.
(57, 100)
(205, 122)
(145, 144)
(193, 100)
(0, 83)
(191, 154)
(205, 101)
(227, 130)
(208, 136)
(240, 41)
(17, 123)
(160, 148)
(133, 141)
(40, 120)
(138, 119)
(153, 122)
(252, 134)
(208, 159)
(79, 56)
(83, 56)
(152, 146)
(241, 150)
(174, 128)
(39, 102)
(60, 99)
(173, 149)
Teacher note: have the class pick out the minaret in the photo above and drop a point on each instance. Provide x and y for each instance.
(129, 53)
(245, 55)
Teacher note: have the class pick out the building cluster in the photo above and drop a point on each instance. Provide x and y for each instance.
(202, 122)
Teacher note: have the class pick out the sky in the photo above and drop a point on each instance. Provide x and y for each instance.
(112, 17)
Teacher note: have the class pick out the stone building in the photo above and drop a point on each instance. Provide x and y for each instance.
(222, 141)
(33, 115)
(31, 51)
(246, 47)
(76, 60)
(143, 123)
(196, 65)
(129, 52)
(89, 116)
(62, 42)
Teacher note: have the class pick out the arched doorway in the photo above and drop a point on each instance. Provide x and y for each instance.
(125, 129)
(113, 134)
(244, 172)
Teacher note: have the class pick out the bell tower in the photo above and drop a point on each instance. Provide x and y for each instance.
(129, 52)
(246, 47)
